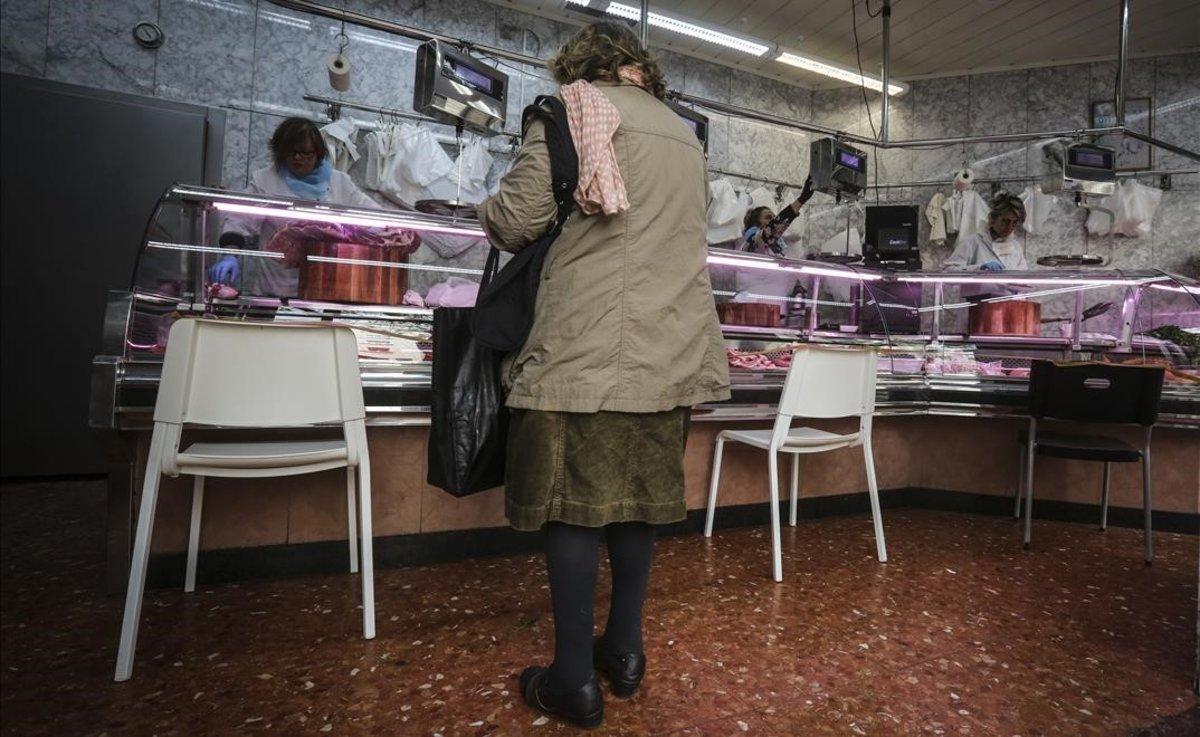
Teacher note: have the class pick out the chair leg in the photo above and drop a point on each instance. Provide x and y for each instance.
(1104, 496)
(351, 512)
(141, 556)
(876, 512)
(712, 486)
(1146, 505)
(795, 487)
(1020, 486)
(1029, 460)
(189, 579)
(776, 545)
(368, 540)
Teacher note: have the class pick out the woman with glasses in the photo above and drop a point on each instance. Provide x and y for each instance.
(301, 169)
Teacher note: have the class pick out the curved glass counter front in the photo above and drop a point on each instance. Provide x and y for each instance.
(951, 342)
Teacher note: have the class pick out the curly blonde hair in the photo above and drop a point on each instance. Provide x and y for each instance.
(597, 51)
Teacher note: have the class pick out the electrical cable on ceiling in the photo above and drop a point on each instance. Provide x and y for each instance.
(862, 86)
(858, 55)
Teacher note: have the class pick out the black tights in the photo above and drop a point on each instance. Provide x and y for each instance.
(572, 561)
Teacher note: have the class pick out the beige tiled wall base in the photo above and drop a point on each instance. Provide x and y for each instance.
(956, 454)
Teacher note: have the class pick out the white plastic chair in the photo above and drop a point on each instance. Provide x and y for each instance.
(825, 381)
(252, 375)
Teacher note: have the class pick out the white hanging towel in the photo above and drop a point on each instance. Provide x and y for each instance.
(339, 140)
(937, 218)
(1038, 207)
(974, 216)
(725, 212)
(1136, 205)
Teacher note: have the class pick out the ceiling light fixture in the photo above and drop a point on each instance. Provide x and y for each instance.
(846, 75)
(675, 25)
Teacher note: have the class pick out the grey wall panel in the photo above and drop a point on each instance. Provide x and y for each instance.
(81, 172)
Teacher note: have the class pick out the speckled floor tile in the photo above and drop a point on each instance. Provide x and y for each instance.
(960, 633)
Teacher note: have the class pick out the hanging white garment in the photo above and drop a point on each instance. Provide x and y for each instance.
(1100, 216)
(974, 216)
(846, 241)
(953, 209)
(379, 153)
(1136, 205)
(339, 141)
(937, 218)
(725, 212)
(762, 197)
(1038, 207)
(417, 162)
(467, 179)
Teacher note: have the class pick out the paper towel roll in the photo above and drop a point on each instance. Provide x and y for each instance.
(339, 72)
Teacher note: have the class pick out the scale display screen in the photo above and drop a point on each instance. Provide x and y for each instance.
(1092, 158)
(857, 163)
(473, 78)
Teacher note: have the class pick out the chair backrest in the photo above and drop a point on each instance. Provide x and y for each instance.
(243, 374)
(1095, 392)
(829, 381)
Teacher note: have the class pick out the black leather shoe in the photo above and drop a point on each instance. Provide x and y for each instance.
(623, 670)
(583, 707)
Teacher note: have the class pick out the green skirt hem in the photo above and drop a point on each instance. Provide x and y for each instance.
(532, 518)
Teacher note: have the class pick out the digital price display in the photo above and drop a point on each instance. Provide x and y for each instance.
(857, 163)
(473, 78)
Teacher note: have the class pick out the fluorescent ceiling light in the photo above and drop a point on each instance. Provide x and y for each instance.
(846, 75)
(684, 28)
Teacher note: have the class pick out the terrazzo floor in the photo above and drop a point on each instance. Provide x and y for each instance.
(961, 633)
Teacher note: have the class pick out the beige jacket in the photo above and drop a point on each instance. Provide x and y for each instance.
(625, 320)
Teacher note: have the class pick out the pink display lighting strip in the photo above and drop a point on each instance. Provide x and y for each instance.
(750, 263)
(1000, 279)
(323, 216)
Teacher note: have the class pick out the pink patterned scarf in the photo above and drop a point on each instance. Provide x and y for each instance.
(594, 121)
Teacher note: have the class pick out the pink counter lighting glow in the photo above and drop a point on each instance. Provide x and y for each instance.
(321, 216)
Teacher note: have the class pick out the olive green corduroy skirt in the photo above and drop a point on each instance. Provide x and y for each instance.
(592, 469)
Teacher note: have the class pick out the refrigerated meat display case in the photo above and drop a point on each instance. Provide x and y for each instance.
(957, 343)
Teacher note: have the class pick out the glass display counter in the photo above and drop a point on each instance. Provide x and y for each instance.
(951, 342)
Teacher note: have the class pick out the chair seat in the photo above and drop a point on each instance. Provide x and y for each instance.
(263, 455)
(798, 437)
(1084, 447)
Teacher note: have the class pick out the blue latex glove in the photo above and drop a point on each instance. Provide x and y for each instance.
(992, 266)
(224, 271)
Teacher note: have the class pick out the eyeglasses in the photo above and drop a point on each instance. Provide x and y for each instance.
(310, 154)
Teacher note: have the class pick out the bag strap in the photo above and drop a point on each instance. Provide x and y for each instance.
(564, 168)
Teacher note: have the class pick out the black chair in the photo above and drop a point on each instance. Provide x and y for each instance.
(1101, 393)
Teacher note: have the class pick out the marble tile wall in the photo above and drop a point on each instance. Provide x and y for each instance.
(251, 55)
(1032, 100)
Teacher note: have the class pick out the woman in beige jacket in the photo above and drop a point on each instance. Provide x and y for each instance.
(625, 339)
